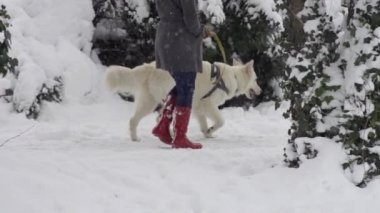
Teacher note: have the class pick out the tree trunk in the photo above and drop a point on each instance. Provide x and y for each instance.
(351, 10)
(296, 5)
(296, 34)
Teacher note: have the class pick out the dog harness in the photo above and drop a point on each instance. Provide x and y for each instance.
(218, 83)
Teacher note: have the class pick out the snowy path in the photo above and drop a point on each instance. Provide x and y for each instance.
(80, 159)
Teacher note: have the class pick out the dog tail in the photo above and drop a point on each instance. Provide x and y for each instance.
(119, 78)
(124, 79)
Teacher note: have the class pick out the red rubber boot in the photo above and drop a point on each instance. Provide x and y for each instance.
(182, 117)
(162, 129)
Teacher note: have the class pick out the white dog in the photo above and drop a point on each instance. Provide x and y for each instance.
(216, 84)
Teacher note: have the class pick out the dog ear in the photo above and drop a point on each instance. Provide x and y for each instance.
(249, 68)
(250, 63)
(236, 62)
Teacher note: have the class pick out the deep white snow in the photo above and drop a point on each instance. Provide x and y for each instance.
(77, 157)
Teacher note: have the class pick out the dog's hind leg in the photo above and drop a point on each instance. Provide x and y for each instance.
(215, 115)
(145, 105)
(202, 120)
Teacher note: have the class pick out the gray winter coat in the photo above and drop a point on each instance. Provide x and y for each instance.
(178, 45)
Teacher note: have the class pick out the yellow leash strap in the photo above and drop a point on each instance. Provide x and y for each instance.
(221, 48)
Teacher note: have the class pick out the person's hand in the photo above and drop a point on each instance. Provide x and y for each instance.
(209, 31)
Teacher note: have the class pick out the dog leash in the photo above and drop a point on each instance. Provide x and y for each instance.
(220, 46)
(2, 144)
(215, 70)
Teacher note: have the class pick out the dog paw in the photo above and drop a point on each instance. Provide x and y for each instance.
(210, 130)
(136, 140)
(208, 134)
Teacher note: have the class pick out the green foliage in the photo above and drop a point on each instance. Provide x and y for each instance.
(109, 9)
(252, 35)
(308, 84)
(248, 34)
(355, 107)
(137, 45)
(141, 38)
(7, 63)
(50, 93)
(361, 135)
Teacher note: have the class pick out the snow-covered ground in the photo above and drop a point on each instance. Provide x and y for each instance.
(77, 157)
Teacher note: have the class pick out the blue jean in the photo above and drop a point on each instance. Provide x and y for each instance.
(184, 88)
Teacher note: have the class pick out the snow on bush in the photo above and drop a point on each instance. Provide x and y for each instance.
(213, 9)
(313, 79)
(52, 41)
(361, 62)
(334, 84)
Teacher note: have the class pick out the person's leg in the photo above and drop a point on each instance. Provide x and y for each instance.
(185, 85)
(162, 128)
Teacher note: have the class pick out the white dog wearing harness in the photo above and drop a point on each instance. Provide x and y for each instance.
(217, 83)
